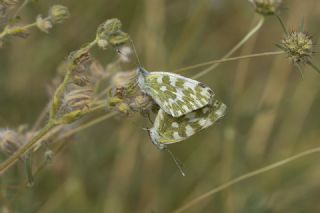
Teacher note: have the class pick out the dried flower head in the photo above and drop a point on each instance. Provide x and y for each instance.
(266, 7)
(58, 14)
(77, 98)
(10, 141)
(43, 24)
(298, 46)
(80, 73)
(126, 97)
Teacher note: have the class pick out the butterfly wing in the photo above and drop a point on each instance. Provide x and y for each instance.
(175, 94)
(170, 130)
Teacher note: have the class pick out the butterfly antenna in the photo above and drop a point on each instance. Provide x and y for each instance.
(135, 52)
(176, 162)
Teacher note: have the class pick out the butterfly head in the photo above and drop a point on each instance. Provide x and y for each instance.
(142, 71)
(141, 75)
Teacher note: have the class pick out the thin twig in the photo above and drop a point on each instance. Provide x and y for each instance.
(20, 8)
(228, 60)
(247, 176)
(234, 49)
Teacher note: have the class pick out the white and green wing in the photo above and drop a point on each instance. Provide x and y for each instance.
(168, 129)
(175, 94)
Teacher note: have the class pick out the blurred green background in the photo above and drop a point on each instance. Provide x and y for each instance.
(112, 167)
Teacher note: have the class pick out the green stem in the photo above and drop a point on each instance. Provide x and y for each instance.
(235, 48)
(282, 24)
(14, 30)
(247, 176)
(229, 59)
(25, 148)
(28, 167)
(74, 131)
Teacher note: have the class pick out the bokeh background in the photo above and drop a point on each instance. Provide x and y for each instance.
(112, 167)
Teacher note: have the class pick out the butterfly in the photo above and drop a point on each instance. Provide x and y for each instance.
(168, 129)
(175, 94)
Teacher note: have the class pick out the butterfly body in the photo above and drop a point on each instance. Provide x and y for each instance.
(175, 94)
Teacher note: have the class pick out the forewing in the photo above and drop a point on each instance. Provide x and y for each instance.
(172, 130)
(177, 95)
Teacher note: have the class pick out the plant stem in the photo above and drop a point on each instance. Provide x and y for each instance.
(235, 48)
(54, 108)
(247, 176)
(86, 125)
(14, 30)
(21, 7)
(282, 24)
(26, 147)
(229, 59)
(74, 131)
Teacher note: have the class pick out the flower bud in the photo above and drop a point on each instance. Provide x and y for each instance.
(102, 43)
(109, 27)
(123, 108)
(110, 32)
(58, 14)
(266, 7)
(43, 24)
(125, 52)
(118, 39)
(48, 156)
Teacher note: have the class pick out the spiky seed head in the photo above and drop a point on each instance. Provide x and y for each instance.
(266, 7)
(43, 24)
(58, 14)
(10, 141)
(298, 46)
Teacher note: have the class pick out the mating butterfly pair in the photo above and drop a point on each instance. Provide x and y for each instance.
(186, 106)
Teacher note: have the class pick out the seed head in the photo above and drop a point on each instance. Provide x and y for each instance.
(298, 46)
(10, 141)
(266, 7)
(58, 14)
(78, 98)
